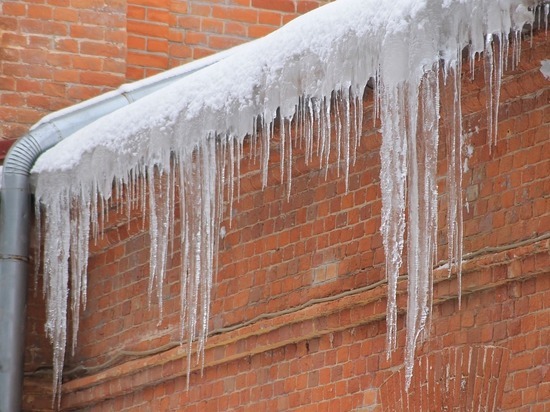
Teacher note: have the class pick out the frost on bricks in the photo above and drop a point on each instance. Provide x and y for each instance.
(309, 77)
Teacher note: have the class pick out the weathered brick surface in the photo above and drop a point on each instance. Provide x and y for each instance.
(54, 54)
(298, 304)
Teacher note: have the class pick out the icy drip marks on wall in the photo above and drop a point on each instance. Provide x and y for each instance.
(185, 143)
(408, 179)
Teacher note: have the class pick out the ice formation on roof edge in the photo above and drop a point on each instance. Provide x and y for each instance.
(308, 75)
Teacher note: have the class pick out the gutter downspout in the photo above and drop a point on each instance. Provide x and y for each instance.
(15, 211)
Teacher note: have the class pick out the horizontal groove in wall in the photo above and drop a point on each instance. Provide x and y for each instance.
(368, 304)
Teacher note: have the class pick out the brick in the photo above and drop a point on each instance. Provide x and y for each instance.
(111, 21)
(236, 14)
(8, 23)
(14, 39)
(61, 3)
(12, 99)
(136, 12)
(136, 42)
(7, 83)
(147, 60)
(189, 22)
(304, 6)
(87, 32)
(200, 10)
(87, 63)
(68, 15)
(270, 18)
(212, 25)
(103, 79)
(157, 46)
(287, 6)
(259, 31)
(148, 29)
(66, 45)
(193, 38)
(26, 85)
(12, 8)
(70, 76)
(12, 55)
(181, 51)
(158, 16)
(152, 3)
(53, 89)
(36, 11)
(222, 43)
(101, 49)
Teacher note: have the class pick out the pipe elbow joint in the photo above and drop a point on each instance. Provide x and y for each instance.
(25, 151)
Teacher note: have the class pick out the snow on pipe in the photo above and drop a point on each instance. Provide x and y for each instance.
(309, 77)
(15, 210)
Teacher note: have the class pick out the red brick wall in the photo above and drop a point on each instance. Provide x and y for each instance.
(298, 305)
(54, 53)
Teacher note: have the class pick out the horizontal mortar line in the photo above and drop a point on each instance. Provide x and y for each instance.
(230, 339)
(324, 309)
(224, 340)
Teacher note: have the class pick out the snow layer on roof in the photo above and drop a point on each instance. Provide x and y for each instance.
(317, 63)
(310, 56)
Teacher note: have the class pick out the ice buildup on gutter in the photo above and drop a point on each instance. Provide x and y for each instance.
(312, 73)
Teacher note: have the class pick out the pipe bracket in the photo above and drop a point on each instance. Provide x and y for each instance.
(14, 257)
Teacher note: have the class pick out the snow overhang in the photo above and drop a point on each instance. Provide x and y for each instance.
(311, 56)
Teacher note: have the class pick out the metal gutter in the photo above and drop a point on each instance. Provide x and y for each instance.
(15, 211)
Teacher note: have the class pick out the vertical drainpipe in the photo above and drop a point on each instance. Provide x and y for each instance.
(15, 210)
(14, 251)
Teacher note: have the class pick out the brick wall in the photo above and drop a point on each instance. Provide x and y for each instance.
(55, 53)
(298, 305)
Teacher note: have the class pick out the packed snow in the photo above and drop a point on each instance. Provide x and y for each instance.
(313, 73)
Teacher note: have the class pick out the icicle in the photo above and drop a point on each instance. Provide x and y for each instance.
(282, 145)
(347, 136)
(325, 125)
(313, 131)
(231, 177)
(56, 253)
(493, 78)
(358, 124)
(79, 261)
(546, 14)
(338, 120)
(185, 246)
(266, 139)
(170, 202)
(289, 163)
(422, 206)
(393, 173)
(327, 133)
(454, 173)
(153, 235)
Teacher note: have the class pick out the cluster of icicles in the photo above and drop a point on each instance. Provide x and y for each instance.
(410, 81)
